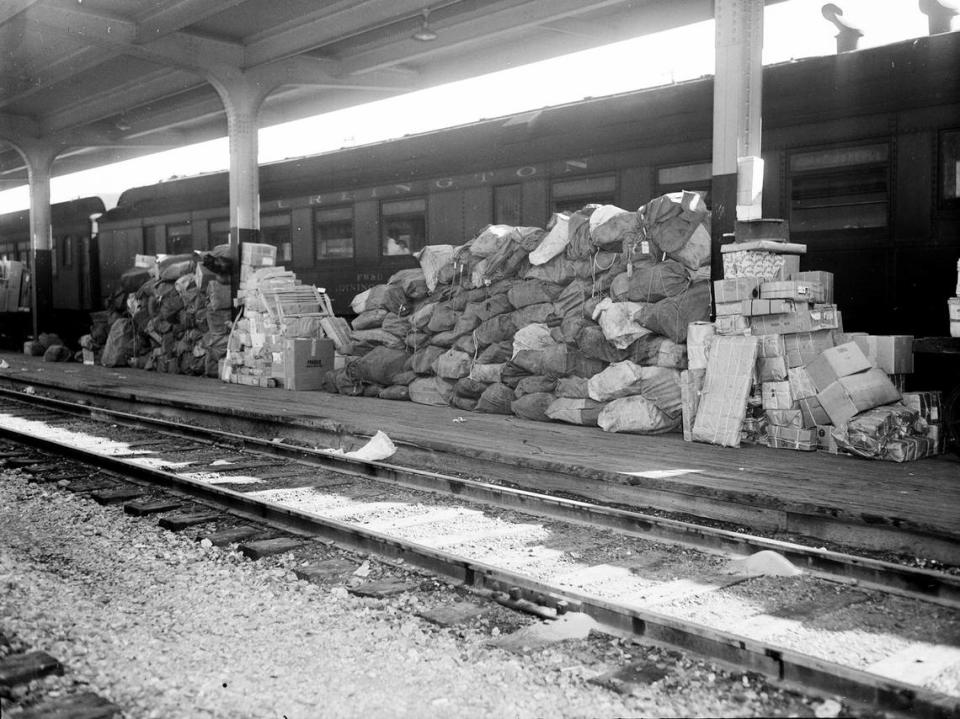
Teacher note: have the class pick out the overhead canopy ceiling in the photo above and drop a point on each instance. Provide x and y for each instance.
(112, 79)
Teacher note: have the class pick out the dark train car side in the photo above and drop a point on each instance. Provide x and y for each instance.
(75, 266)
(861, 154)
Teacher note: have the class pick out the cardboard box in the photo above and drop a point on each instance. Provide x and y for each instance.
(847, 396)
(836, 362)
(891, 353)
(772, 369)
(800, 385)
(785, 418)
(305, 361)
(691, 385)
(771, 346)
(752, 308)
(776, 230)
(815, 413)
(797, 290)
(804, 319)
(258, 255)
(724, 309)
(727, 384)
(736, 289)
(824, 278)
(776, 395)
(825, 439)
(929, 405)
(803, 347)
(766, 265)
(804, 440)
(772, 246)
(732, 325)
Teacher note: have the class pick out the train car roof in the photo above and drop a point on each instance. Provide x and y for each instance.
(913, 73)
(81, 207)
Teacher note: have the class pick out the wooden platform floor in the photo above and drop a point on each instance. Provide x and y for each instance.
(921, 496)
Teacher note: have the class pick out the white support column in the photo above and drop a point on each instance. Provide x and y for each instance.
(39, 158)
(242, 96)
(737, 98)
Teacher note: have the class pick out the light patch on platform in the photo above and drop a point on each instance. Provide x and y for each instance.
(662, 473)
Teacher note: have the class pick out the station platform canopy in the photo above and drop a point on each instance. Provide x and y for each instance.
(107, 80)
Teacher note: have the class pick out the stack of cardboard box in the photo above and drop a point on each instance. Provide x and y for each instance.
(278, 342)
(813, 386)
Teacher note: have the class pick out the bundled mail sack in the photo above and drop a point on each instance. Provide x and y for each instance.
(433, 258)
(496, 352)
(618, 324)
(555, 241)
(369, 319)
(119, 346)
(469, 387)
(395, 392)
(573, 388)
(413, 282)
(379, 366)
(496, 399)
(443, 318)
(453, 365)
(431, 391)
(535, 384)
(635, 414)
(650, 282)
(593, 343)
(423, 360)
(532, 292)
(584, 412)
(533, 406)
(671, 317)
(611, 225)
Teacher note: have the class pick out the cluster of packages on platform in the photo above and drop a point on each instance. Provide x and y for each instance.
(776, 367)
(584, 321)
(171, 313)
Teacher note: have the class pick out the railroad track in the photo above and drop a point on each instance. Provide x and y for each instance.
(662, 580)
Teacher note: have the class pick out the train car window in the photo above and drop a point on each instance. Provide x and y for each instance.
(334, 233)
(697, 178)
(950, 170)
(404, 226)
(218, 233)
(839, 189)
(179, 238)
(571, 195)
(507, 202)
(275, 230)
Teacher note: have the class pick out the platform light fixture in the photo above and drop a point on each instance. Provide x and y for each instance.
(425, 33)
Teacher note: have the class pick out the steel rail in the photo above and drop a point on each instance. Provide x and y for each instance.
(936, 587)
(787, 666)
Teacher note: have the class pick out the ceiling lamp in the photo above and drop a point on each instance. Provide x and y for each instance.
(425, 33)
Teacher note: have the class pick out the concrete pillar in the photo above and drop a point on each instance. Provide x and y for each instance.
(737, 97)
(242, 98)
(39, 159)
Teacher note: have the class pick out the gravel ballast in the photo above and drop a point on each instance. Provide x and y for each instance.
(166, 627)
